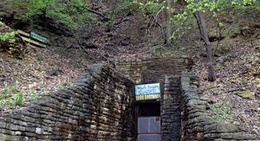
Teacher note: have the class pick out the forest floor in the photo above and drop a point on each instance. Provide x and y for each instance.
(36, 75)
(236, 91)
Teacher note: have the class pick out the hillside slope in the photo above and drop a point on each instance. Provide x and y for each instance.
(236, 92)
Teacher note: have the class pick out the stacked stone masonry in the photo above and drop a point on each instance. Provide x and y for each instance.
(100, 107)
(167, 71)
(184, 113)
(97, 108)
(152, 69)
(197, 124)
(170, 109)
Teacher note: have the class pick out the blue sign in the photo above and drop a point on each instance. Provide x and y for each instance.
(147, 91)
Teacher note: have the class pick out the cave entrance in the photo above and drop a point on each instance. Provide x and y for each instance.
(149, 122)
(147, 99)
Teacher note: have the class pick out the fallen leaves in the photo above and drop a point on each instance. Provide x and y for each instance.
(238, 81)
(34, 77)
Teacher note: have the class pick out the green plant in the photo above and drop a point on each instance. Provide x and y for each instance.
(152, 6)
(4, 96)
(7, 97)
(7, 37)
(222, 112)
(70, 13)
(4, 93)
(123, 5)
(33, 96)
(18, 99)
(184, 22)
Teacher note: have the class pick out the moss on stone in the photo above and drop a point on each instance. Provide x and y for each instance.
(246, 94)
(6, 137)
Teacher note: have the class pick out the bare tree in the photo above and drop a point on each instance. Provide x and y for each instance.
(204, 35)
(207, 44)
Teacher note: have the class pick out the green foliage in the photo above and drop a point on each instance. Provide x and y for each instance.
(18, 99)
(222, 112)
(6, 98)
(152, 7)
(183, 22)
(217, 5)
(7, 37)
(122, 5)
(4, 93)
(11, 96)
(70, 13)
(36, 7)
(214, 8)
(126, 5)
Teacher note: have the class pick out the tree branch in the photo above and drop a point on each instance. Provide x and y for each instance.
(99, 14)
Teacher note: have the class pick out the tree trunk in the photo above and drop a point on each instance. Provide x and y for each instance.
(204, 36)
(168, 25)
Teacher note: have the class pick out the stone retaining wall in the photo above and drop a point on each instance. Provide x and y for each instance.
(170, 109)
(152, 69)
(166, 71)
(197, 124)
(97, 108)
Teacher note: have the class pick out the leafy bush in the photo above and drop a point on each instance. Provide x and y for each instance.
(216, 9)
(70, 13)
(10, 42)
(7, 37)
(6, 34)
